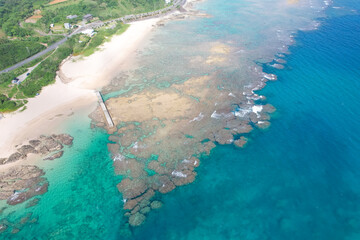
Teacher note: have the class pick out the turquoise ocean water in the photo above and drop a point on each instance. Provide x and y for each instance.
(299, 179)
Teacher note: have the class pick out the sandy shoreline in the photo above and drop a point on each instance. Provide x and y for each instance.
(56, 103)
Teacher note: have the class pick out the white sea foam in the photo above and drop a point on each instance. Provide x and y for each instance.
(119, 157)
(270, 76)
(221, 115)
(14, 196)
(178, 174)
(198, 118)
(186, 161)
(242, 112)
(256, 109)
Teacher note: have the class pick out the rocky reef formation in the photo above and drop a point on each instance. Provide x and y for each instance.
(14, 227)
(20, 183)
(45, 146)
(162, 132)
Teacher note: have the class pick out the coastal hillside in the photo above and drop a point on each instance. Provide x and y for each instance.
(28, 27)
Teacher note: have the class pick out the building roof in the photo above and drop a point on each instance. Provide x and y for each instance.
(88, 16)
(72, 16)
(88, 31)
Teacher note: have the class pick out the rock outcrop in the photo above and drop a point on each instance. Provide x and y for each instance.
(45, 146)
(20, 183)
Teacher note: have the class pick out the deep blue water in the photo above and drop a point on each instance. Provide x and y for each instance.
(300, 179)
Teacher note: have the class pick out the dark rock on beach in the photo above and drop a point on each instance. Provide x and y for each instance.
(50, 144)
(35, 143)
(65, 139)
(45, 145)
(26, 149)
(14, 157)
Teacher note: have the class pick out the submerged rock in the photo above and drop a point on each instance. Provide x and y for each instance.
(263, 124)
(145, 210)
(223, 136)
(129, 167)
(142, 201)
(241, 142)
(156, 204)
(136, 219)
(33, 202)
(183, 177)
(3, 227)
(19, 197)
(15, 230)
(131, 188)
(164, 184)
(55, 156)
(20, 183)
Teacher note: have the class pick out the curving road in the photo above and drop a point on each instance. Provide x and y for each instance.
(127, 18)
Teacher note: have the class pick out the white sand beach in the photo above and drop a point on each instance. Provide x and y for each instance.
(45, 113)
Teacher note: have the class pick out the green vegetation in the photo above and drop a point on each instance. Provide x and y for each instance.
(14, 96)
(7, 105)
(12, 52)
(45, 73)
(103, 9)
(26, 39)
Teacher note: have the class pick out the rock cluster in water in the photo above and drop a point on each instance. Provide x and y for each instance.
(49, 147)
(162, 132)
(15, 226)
(22, 182)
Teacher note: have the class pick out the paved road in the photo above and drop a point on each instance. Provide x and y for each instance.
(127, 18)
(39, 54)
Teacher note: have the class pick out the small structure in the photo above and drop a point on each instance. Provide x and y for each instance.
(71, 16)
(67, 25)
(87, 17)
(104, 109)
(52, 25)
(167, 1)
(90, 32)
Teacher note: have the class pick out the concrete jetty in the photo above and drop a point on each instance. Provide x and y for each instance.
(104, 109)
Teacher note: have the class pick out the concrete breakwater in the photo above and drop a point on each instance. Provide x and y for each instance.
(104, 109)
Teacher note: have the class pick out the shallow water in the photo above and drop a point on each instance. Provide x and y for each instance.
(299, 179)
